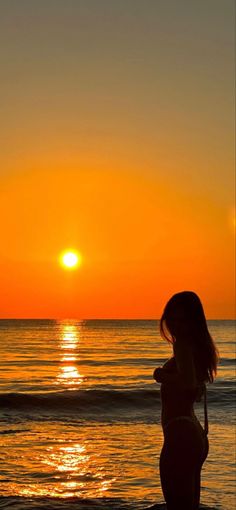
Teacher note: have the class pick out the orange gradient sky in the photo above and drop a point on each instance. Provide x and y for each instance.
(118, 141)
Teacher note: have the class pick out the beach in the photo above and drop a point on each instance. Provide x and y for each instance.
(80, 416)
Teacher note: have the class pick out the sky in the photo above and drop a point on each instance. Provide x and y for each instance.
(117, 140)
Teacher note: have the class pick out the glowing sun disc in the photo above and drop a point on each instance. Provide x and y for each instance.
(70, 259)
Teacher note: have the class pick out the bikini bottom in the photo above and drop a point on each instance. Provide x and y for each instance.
(192, 419)
(185, 443)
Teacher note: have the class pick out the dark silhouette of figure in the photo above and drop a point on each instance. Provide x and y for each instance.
(183, 379)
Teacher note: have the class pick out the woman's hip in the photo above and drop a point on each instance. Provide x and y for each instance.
(185, 441)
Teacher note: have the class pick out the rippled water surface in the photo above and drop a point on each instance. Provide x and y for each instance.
(80, 415)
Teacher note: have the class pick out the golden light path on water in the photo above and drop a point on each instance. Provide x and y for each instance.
(69, 375)
(74, 471)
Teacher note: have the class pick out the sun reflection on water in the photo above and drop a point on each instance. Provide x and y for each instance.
(69, 467)
(69, 375)
(70, 471)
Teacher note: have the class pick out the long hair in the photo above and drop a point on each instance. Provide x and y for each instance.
(190, 308)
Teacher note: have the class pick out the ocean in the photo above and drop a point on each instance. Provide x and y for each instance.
(80, 415)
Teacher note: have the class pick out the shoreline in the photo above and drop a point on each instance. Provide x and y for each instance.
(57, 503)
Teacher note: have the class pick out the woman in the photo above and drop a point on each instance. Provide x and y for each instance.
(183, 379)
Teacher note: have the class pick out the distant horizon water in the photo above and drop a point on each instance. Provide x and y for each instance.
(105, 318)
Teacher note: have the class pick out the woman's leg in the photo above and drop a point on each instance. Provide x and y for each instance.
(198, 476)
(181, 455)
(178, 484)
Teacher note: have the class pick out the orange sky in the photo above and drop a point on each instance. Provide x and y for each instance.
(118, 142)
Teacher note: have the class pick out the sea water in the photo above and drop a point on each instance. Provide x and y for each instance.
(80, 415)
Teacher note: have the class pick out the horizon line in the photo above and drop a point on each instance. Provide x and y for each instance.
(100, 319)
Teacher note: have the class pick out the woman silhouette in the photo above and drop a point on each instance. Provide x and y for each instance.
(183, 379)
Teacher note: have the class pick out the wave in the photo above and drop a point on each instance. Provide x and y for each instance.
(102, 400)
(227, 361)
(82, 400)
(13, 431)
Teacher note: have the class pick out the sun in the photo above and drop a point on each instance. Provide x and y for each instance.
(70, 259)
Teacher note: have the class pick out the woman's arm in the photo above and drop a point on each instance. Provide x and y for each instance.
(185, 363)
